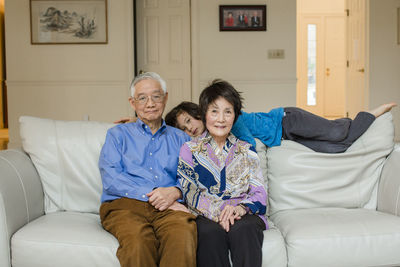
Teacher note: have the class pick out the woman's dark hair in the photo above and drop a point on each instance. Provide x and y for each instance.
(189, 107)
(220, 88)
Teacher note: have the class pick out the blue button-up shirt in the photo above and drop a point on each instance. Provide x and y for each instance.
(133, 161)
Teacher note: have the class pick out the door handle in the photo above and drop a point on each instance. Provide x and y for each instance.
(361, 70)
(141, 72)
(328, 71)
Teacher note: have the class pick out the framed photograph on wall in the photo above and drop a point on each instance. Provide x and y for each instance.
(242, 17)
(68, 21)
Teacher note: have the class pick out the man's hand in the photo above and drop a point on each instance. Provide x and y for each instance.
(178, 206)
(163, 197)
(126, 120)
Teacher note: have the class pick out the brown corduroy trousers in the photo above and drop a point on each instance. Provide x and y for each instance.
(149, 237)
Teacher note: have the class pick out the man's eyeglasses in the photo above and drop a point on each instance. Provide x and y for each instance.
(144, 98)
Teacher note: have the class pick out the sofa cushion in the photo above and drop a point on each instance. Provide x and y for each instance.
(78, 239)
(66, 154)
(274, 248)
(301, 178)
(64, 239)
(340, 237)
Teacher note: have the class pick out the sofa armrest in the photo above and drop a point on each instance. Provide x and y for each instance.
(21, 197)
(389, 185)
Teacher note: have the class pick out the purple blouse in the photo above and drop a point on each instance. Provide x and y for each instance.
(212, 177)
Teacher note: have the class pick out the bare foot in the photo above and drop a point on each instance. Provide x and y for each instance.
(382, 109)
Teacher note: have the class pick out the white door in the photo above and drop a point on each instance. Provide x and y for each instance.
(335, 67)
(321, 64)
(356, 83)
(163, 44)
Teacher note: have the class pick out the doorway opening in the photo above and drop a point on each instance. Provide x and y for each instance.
(331, 53)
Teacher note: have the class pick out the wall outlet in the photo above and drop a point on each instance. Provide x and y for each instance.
(86, 117)
(276, 53)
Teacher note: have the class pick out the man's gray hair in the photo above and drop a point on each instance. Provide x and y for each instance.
(145, 76)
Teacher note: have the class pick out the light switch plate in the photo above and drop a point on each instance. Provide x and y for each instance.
(276, 53)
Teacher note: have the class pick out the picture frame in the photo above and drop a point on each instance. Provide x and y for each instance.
(68, 21)
(242, 17)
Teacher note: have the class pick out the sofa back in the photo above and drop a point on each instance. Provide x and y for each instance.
(299, 178)
(66, 153)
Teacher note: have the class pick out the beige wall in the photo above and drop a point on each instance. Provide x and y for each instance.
(241, 57)
(71, 81)
(68, 82)
(384, 81)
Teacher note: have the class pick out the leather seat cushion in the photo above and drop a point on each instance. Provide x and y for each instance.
(340, 237)
(64, 239)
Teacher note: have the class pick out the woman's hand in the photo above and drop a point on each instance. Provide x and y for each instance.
(231, 211)
(229, 214)
(225, 225)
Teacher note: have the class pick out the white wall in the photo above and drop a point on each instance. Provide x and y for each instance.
(241, 57)
(68, 82)
(384, 80)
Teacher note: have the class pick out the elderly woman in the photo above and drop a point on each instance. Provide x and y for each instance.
(222, 184)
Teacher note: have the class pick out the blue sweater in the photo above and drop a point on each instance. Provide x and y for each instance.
(265, 126)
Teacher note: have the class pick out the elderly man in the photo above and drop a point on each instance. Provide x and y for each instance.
(138, 165)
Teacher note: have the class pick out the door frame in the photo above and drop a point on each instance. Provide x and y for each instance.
(3, 84)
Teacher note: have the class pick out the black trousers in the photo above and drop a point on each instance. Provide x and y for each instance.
(244, 241)
(320, 134)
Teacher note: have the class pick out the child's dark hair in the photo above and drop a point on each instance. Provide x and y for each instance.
(220, 88)
(189, 107)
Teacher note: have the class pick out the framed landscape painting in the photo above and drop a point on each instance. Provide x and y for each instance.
(68, 21)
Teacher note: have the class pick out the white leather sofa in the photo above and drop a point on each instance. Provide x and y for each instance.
(324, 209)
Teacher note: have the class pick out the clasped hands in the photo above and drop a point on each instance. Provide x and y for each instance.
(163, 198)
(229, 214)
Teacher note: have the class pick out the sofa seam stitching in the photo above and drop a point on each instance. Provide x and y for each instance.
(60, 205)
